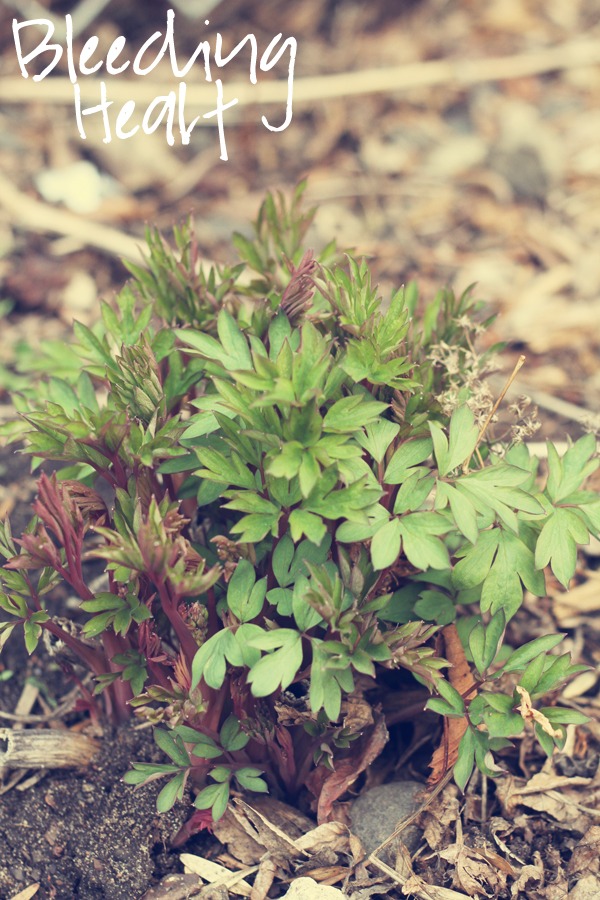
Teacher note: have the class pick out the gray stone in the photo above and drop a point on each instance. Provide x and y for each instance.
(375, 814)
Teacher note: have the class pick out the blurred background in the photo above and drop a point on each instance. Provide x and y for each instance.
(472, 154)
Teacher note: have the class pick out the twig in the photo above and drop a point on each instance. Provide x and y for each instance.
(388, 79)
(404, 873)
(409, 819)
(62, 709)
(518, 366)
(42, 218)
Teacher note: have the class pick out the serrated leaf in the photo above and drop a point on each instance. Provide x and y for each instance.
(434, 606)
(302, 523)
(463, 511)
(351, 413)
(566, 475)
(277, 669)
(32, 633)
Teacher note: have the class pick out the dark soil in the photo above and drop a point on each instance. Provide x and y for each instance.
(85, 833)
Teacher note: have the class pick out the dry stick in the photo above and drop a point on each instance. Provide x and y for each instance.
(407, 821)
(424, 891)
(42, 218)
(452, 72)
(61, 710)
(519, 365)
(48, 749)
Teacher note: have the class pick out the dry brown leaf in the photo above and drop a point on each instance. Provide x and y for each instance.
(586, 855)
(325, 874)
(175, 887)
(588, 888)
(329, 786)
(436, 818)
(529, 877)
(556, 795)
(278, 844)
(461, 678)
(472, 872)
(530, 714)
(289, 819)
(411, 883)
(582, 600)
(498, 826)
(330, 835)
(237, 840)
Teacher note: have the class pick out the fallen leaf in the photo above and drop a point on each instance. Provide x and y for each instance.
(530, 876)
(330, 835)
(472, 872)
(461, 678)
(175, 887)
(435, 819)
(328, 786)
(546, 792)
(412, 884)
(530, 714)
(588, 888)
(237, 840)
(278, 844)
(497, 826)
(580, 685)
(586, 855)
(308, 889)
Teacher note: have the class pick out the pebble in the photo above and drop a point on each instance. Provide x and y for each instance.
(376, 812)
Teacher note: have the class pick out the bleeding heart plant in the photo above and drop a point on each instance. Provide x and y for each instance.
(300, 495)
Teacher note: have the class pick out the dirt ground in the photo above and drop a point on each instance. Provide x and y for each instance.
(471, 154)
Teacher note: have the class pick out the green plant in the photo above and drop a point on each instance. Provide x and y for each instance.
(302, 494)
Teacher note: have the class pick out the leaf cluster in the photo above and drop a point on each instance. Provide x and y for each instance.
(291, 511)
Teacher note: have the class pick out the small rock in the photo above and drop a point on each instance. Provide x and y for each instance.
(309, 889)
(375, 814)
(524, 170)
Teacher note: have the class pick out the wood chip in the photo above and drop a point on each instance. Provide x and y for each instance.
(45, 749)
(218, 875)
(27, 892)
